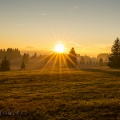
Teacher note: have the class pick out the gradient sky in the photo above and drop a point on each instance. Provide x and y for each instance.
(90, 26)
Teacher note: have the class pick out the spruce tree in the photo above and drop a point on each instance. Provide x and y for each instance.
(101, 62)
(25, 58)
(72, 58)
(114, 57)
(5, 65)
(23, 65)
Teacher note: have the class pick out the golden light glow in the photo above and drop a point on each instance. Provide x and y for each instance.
(59, 48)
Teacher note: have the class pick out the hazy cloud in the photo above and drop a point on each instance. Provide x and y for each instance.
(75, 44)
(18, 24)
(42, 14)
(76, 7)
(96, 48)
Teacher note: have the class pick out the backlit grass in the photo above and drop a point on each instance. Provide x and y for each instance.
(67, 95)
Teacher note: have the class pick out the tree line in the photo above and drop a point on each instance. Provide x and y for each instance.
(112, 59)
(10, 53)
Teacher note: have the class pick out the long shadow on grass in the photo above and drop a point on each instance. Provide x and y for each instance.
(114, 72)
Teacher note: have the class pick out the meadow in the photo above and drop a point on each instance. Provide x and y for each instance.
(83, 94)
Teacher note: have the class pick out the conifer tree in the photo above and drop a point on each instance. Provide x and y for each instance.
(72, 58)
(101, 62)
(5, 65)
(23, 65)
(25, 58)
(114, 56)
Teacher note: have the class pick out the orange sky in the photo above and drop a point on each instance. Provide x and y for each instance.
(89, 26)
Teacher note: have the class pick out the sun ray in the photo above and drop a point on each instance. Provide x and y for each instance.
(55, 62)
(51, 41)
(59, 61)
(48, 62)
(55, 37)
(63, 56)
(42, 59)
(72, 62)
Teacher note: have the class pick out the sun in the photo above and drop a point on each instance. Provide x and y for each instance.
(59, 48)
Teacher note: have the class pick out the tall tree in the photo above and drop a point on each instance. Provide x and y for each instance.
(100, 62)
(114, 56)
(23, 65)
(5, 65)
(72, 58)
(25, 58)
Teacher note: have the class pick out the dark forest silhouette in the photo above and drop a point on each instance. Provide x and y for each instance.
(10, 53)
(71, 60)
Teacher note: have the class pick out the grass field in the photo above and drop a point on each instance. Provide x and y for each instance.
(86, 94)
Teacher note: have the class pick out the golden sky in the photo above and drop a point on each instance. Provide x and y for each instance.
(90, 26)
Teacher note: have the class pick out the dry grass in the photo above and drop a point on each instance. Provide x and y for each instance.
(68, 95)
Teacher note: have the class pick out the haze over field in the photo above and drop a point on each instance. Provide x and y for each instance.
(90, 26)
